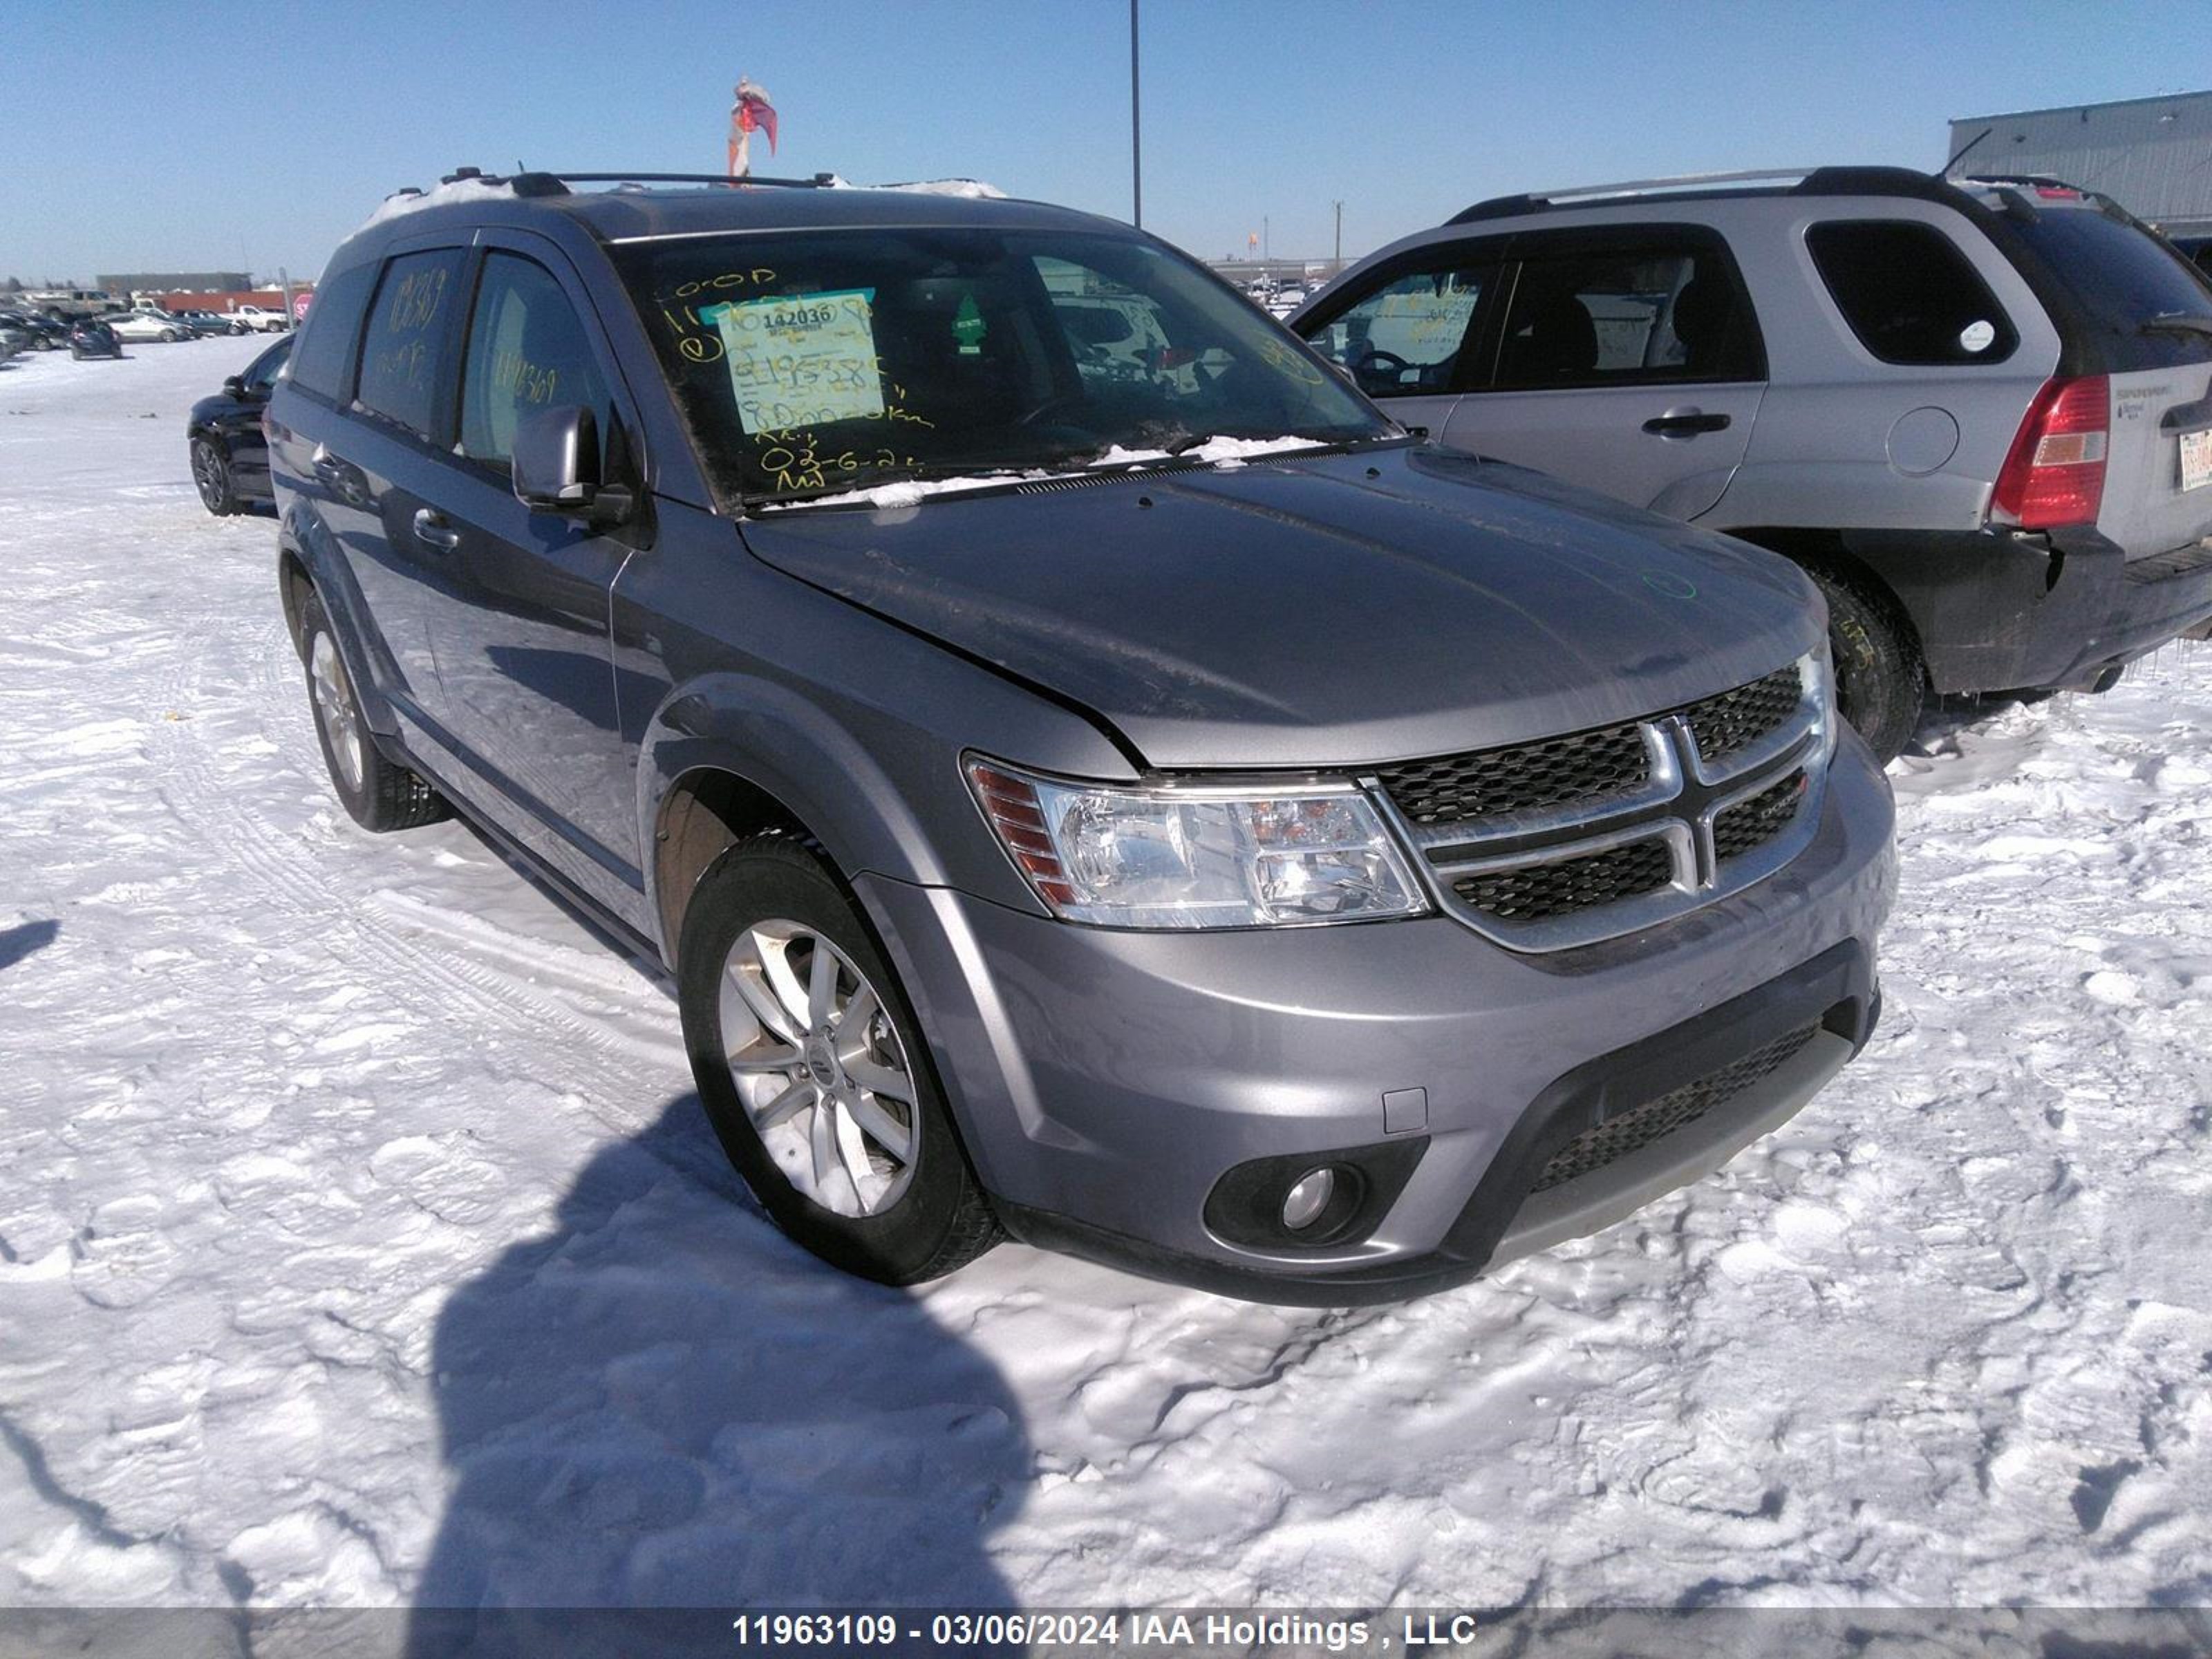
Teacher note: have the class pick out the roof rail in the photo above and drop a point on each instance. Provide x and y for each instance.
(1803, 181)
(539, 181)
(1499, 207)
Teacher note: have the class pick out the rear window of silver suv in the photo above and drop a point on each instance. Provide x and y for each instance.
(2122, 278)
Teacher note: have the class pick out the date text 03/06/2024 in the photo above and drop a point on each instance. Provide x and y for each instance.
(1090, 1632)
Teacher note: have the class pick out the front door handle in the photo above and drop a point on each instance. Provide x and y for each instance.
(1685, 423)
(433, 529)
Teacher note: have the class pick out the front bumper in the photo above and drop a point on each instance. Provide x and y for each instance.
(1106, 1082)
(2001, 612)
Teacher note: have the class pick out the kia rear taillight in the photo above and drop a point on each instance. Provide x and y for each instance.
(2055, 474)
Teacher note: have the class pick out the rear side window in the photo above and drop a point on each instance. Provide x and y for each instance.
(1909, 295)
(402, 358)
(528, 353)
(324, 352)
(1405, 339)
(1654, 315)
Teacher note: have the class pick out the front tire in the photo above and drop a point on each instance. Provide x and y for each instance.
(814, 1071)
(1881, 681)
(211, 477)
(377, 795)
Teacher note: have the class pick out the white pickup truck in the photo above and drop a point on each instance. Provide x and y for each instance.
(262, 321)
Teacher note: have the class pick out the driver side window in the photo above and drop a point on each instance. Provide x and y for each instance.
(1404, 339)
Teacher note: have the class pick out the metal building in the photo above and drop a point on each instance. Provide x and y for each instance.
(2151, 156)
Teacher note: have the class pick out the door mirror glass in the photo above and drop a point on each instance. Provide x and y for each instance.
(235, 386)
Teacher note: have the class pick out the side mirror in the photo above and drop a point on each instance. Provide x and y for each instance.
(235, 386)
(556, 467)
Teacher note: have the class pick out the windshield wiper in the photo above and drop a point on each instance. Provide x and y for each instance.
(2178, 322)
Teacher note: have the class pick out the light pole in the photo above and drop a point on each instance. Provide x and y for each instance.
(1136, 131)
(1337, 264)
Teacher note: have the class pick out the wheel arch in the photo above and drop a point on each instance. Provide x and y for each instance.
(706, 811)
(732, 753)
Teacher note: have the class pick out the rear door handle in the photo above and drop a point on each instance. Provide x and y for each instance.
(1685, 423)
(433, 529)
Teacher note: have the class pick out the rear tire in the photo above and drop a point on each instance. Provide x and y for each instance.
(377, 795)
(776, 963)
(1881, 681)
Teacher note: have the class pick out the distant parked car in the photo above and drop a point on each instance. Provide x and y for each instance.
(46, 334)
(148, 326)
(230, 456)
(88, 337)
(13, 341)
(203, 322)
(1973, 410)
(259, 321)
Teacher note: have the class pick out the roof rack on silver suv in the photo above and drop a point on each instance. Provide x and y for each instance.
(1809, 182)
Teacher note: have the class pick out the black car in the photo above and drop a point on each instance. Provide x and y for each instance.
(46, 334)
(88, 337)
(230, 457)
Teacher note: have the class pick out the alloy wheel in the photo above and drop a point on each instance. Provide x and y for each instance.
(819, 1067)
(210, 474)
(336, 711)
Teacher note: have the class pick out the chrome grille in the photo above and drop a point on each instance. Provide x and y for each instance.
(1741, 828)
(1639, 1126)
(1532, 892)
(1563, 841)
(1733, 721)
(1455, 788)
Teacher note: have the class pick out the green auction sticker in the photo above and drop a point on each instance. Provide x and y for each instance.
(801, 359)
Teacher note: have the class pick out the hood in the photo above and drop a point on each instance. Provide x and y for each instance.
(1337, 611)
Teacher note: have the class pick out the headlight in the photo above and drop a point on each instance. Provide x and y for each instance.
(1197, 857)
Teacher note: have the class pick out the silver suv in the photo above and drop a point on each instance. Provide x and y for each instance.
(1136, 799)
(1979, 412)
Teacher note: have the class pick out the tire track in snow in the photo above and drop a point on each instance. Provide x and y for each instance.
(598, 1069)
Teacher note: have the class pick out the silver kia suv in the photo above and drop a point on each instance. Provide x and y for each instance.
(1977, 411)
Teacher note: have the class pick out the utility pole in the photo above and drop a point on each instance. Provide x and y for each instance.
(1337, 265)
(1136, 131)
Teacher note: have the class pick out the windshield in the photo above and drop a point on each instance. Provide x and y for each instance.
(814, 363)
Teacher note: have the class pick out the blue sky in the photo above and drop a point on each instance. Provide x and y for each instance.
(139, 136)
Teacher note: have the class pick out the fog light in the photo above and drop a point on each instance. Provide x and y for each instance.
(1304, 1204)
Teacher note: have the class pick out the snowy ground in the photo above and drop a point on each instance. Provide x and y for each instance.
(360, 1241)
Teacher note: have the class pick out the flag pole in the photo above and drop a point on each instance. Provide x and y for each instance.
(1136, 139)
